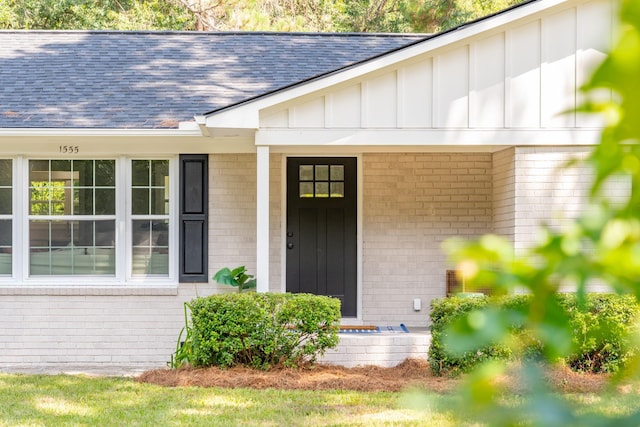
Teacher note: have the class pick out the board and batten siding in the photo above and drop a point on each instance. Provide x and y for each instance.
(521, 75)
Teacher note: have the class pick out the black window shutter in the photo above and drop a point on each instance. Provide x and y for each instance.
(194, 195)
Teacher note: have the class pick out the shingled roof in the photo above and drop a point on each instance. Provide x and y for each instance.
(147, 80)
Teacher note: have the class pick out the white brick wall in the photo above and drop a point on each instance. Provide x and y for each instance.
(232, 219)
(232, 212)
(70, 330)
(546, 190)
(504, 184)
(412, 202)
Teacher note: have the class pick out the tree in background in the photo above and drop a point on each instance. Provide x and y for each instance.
(94, 14)
(246, 15)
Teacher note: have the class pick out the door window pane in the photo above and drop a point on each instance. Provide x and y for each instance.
(306, 189)
(321, 181)
(322, 172)
(306, 172)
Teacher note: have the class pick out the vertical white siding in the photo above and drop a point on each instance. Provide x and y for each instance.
(309, 114)
(594, 39)
(558, 72)
(379, 107)
(415, 95)
(343, 108)
(523, 75)
(487, 94)
(523, 78)
(451, 86)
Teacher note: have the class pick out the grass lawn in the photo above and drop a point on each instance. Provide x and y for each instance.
(31, 400)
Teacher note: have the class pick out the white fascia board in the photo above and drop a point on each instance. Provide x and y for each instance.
(426, 137)
(96, 132)
(246, 115)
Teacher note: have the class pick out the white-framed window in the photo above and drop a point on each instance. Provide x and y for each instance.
(72, 217)
(150, 219)
(85, 221)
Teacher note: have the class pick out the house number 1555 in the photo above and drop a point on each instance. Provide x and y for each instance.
(69, 149)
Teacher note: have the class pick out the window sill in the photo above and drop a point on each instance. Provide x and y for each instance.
(31, 289)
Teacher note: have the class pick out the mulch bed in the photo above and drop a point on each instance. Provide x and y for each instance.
(412, 373)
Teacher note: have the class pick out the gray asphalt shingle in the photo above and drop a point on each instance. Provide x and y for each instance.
(97, 79)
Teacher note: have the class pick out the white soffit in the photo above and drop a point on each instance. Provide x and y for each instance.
(245, 115)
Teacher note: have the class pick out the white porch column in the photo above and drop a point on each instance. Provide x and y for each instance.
(262, 212)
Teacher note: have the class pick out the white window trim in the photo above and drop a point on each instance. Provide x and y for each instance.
(20, 282)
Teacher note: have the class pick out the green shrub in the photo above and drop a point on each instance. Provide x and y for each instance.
(600, 332)
(444, 312)
(262, 330)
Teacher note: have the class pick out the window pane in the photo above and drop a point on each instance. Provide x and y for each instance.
(140, 202)
(5, 247)
(337, 189)
(306, 173)
(40, 262)
(6, 173)
(83, 175)
(83, 201)
(105, 201)
(105, 173)
(322, 172)
(337, 172)
(159, 206)
(5, 201)
(39, 234)
(140, 172)
(160, 173)
(5, 233)
(150, 247)
(60, 166)
(160, 233)
(38, 170)
(322, 189)
(72, 248)
(141, 233)
(105, 233)
(306, 189)
(61, 233)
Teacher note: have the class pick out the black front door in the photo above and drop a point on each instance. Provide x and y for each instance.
(322, 228)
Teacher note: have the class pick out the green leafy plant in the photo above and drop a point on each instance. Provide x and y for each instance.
(237, 277)
(185, 345)
(262, 330)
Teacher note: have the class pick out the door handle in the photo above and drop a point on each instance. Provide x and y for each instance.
(289, 245)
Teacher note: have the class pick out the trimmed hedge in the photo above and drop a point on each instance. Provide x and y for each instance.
(600, 331)
(262, 330)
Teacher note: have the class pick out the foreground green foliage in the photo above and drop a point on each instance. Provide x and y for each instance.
(601, 246)
(262, 330)
(601, 329)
